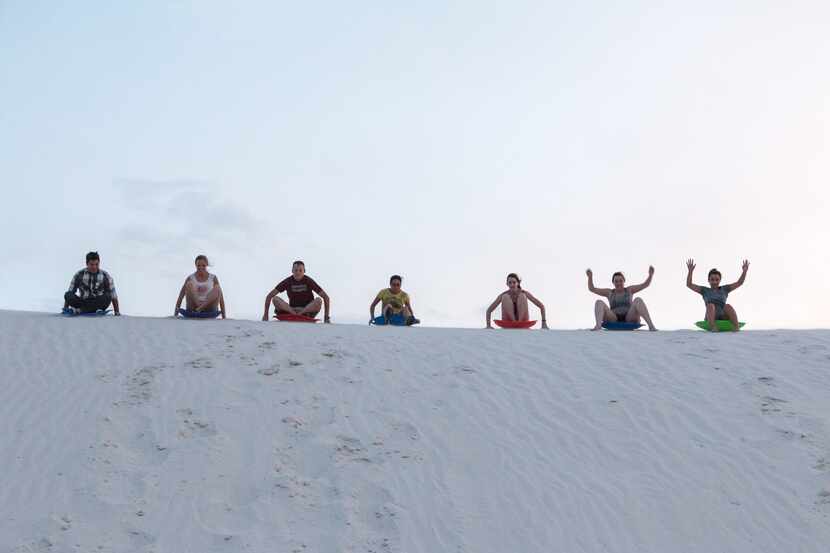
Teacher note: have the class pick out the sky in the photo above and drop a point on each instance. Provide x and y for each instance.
(449, 142)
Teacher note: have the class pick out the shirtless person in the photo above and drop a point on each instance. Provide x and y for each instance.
(300, 290)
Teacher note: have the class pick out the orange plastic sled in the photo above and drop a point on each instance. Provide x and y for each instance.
(514, 324)
(294, 318)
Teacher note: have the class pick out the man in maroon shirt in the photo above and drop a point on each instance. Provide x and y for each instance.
(300, 290)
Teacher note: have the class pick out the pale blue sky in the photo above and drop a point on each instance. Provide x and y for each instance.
(449, 142)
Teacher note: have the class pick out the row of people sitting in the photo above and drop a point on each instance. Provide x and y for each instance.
(93, 289)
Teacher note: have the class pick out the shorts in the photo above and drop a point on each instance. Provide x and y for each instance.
(620, 312)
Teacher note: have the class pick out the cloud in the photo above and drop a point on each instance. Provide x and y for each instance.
(163, 217)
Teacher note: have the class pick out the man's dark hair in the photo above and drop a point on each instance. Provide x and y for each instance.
(92, 256)
(715, 272)
(298, 262)
(395, 277)
(617, 274)
(203, 258)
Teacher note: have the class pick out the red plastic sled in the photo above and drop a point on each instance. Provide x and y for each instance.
(514, 324)
(294, 318)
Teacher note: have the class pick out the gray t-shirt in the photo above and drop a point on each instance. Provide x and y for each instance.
(718, 297)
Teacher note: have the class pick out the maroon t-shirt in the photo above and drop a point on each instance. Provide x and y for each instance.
(299, 291)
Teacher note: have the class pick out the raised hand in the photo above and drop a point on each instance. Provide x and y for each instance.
(745, 266)
(691, 265)
(650, 270)
(590, 273)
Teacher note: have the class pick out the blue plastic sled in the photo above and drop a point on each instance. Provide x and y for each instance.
(616, 325)
(198, 314)
(69, 312)
(395, 320)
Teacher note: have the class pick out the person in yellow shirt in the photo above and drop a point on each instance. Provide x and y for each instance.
(395, 304)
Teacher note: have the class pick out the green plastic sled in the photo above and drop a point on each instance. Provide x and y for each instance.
(722, 325)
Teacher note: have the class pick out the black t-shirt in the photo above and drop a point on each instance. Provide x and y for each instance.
(299, 291)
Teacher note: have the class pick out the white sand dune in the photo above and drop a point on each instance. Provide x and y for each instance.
(138, 434)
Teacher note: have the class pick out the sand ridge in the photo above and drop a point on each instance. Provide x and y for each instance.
(141, 434)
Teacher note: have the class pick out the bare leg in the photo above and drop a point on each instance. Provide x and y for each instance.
(282, 306)
(211, 303)
(521, 304)
(602, 313)
(192, 300)
(710, 317)
(507, 309)
(638, 309)
(733, 317)
(312, 308)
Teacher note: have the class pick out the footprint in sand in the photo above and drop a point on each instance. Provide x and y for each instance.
(200, 363)
(192, 426)
(140, 385)
(771, 404)
(38, 546)
(270, 371)
(350, 449)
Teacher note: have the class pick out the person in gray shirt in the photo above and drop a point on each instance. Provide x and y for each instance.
(714, 296)
(622, 306)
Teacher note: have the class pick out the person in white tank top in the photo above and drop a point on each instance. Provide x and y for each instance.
(202, 290)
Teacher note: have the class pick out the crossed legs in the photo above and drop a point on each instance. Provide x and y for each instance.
(309, 310)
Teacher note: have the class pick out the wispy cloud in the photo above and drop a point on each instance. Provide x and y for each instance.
(166, 216)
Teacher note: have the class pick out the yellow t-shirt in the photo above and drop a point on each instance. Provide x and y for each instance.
(395, 302)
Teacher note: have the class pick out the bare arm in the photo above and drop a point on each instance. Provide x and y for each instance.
(532, 299)
(221, 298)
(492, 308)
(740, 282)
(691, 266)
(637, 287)
(409, 306)
(179, 300)
(598, 291)
(326, 305)
(372, 309)
(268, 300)
(116, 306)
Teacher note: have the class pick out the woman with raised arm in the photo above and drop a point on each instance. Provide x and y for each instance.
(203, 293)
(622, 305)
(514, 303)
(714, 296)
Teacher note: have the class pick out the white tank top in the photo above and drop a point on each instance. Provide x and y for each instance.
(202, 288)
